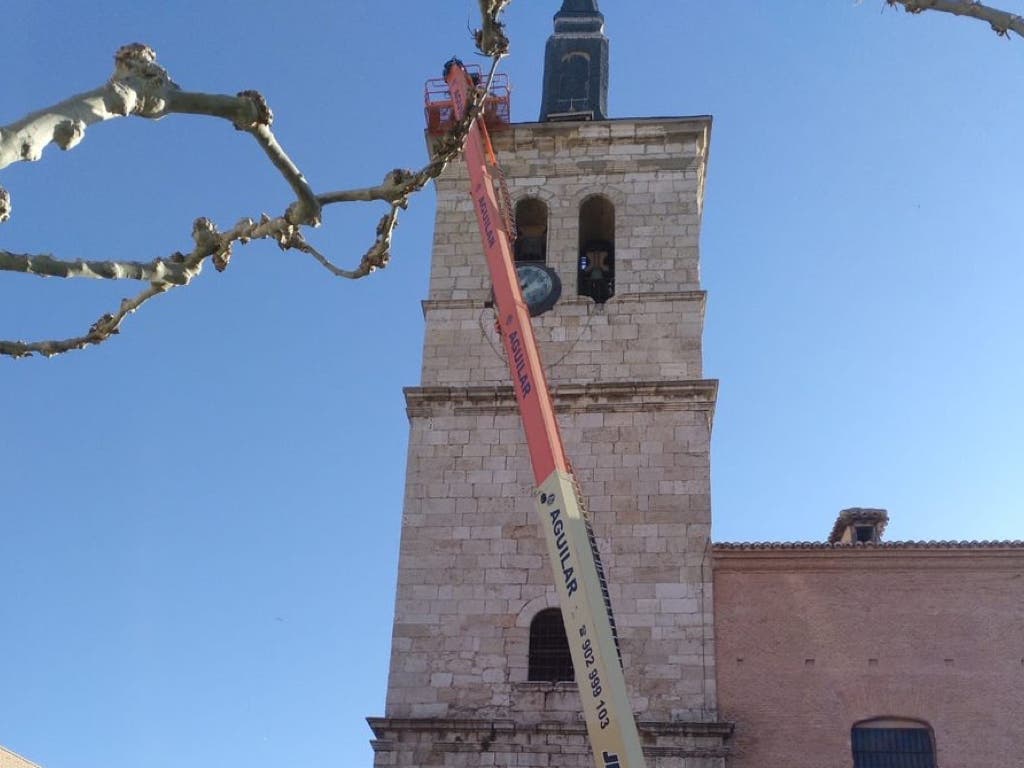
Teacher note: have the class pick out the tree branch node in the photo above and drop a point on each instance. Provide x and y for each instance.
(263, 114)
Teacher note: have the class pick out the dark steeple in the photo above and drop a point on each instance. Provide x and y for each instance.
(576, 65)
(578, 8)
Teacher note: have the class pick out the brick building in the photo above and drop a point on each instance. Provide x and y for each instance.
(842, 647)
(736, 655)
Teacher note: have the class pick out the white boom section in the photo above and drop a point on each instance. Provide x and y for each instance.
(582, 594)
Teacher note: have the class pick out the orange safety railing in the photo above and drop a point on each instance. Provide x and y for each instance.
(440, 112)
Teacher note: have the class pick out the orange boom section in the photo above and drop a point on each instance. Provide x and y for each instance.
(543, 438)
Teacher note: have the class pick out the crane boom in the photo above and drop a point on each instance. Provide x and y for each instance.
(575, 560)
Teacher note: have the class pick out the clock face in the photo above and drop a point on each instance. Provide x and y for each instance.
(540, 286)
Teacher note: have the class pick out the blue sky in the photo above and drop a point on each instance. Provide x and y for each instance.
(199, 522)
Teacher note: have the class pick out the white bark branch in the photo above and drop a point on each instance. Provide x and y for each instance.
(44, 265)
(139, 86)
(398, 185)
(209, 243)
(1001, 22)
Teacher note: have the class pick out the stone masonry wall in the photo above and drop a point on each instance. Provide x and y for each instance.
(652, 171)
(812, 641)
(473, 569)
(626, 340)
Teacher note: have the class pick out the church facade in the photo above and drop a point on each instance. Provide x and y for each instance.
(735, 655)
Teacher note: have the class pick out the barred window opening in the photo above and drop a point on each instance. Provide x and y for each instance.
(892, 743)
(595, 275)
(531, 230)
(549, 649)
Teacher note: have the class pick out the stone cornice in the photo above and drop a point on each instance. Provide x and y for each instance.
(670, 739)
(627, 298)
(612, 128)
(619, 397)
(380, 725)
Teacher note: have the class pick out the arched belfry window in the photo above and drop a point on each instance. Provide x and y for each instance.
(574, 82)
(596, 271)
(889, 741)
(549, 649)
(531, 230)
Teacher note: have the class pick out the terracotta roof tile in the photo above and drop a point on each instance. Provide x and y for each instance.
(753, 545)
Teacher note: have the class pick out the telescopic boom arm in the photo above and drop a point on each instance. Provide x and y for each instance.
(582, 590)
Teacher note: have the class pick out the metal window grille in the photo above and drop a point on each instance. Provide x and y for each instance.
(531, 225)
(549, 649)
(595, 275)
(893, 748)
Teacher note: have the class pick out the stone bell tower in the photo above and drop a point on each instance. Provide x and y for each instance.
(609, 211)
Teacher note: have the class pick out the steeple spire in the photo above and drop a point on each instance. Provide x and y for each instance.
(576, 65)
(578, 7)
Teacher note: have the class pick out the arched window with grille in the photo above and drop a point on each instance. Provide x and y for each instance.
(549, 649)
(889, 741)
(531, 230)
(596, 271)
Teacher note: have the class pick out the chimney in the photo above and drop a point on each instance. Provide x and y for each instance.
(859, 525)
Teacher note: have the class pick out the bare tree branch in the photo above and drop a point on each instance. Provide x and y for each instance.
(399, 184)
(1001, 21)
(209, 243)
(139, 86)
(44, 265)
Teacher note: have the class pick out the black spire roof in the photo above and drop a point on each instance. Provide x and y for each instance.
(578, 8)
(576, 65)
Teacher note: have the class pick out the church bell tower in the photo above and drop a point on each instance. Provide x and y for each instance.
(608, 215)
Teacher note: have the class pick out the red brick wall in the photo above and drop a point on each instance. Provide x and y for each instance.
(810, 641)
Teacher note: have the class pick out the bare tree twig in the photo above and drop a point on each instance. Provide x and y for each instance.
(1001, 22)
(209, 243)
(398, 185)
(490, 38)
(307, 209)
(377, 257)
